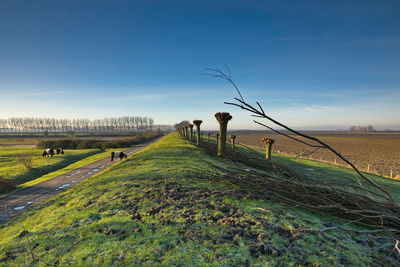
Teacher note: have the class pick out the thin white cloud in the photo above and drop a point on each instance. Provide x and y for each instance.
(37, 93)
(317, 108)
(138, 97)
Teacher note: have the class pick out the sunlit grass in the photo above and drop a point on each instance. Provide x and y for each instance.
(159, 209)
(12, 168)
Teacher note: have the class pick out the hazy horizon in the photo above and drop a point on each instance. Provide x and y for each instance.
(311, 65)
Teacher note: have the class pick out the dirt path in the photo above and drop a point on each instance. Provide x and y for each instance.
(19, 201)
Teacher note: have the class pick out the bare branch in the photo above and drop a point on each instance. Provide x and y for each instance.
(308, 153)
(229, 72)
(260, 112)
(226, 77)
(291, 137)
(260, 108)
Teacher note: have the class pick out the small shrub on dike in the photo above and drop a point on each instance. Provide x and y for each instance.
(26, 160)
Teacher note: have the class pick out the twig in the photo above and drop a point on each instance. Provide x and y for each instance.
(30, 248)
(29, 245)
(308, 153)
(288, 136)
(225, 77)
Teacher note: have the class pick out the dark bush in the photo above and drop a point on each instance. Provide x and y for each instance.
(93, 143)
(6, 185)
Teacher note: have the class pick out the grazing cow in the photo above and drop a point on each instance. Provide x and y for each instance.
(59, 151)
(49, 152)
(118, 154)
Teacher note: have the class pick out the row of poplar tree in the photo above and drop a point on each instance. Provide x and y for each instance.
(112, 124)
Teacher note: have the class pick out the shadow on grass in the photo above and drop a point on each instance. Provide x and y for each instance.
(35, 173)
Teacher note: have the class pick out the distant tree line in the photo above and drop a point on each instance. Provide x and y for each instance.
(362, 129)
(111, 124)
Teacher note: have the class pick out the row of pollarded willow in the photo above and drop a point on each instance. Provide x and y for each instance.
(223, 118)
(184, 130)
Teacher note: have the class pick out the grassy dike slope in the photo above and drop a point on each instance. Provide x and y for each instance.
(160, 208)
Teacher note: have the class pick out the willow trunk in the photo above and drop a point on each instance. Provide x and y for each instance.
(198, 134)
(222, 138)
(268, 151)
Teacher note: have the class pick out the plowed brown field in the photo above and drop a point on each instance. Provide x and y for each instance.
(380, 150)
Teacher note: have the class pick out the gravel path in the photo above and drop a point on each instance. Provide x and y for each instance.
(21, 200)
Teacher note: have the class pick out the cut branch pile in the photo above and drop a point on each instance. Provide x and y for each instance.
(361, 200)
(273, 181)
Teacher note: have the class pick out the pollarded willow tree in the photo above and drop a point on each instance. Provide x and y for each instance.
(223, 118)
(232, 137)
(197, 123)
(268, 146)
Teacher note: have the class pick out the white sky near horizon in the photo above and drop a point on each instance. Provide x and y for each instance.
(75, 104)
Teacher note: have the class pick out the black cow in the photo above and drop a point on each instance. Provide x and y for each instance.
(118, 154)
(59, 151)
(49, 152)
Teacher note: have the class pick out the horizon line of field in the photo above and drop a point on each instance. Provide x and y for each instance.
(368, 170)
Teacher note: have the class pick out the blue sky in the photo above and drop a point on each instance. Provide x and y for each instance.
(311, 64)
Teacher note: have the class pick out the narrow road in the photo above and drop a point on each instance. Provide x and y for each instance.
(19, 201)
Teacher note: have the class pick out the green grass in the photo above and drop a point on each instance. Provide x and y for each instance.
(73, 166)
(11, 168)
(69, 168)
(328, 172)
(161, 208)
(335, 173)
